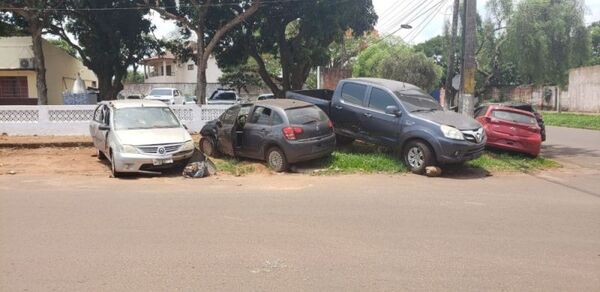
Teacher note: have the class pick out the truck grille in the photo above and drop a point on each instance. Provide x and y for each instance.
(160, 149)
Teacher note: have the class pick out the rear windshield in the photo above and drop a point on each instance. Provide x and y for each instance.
(513, 117)
(305, 115)
(158, 92)
(224, 96)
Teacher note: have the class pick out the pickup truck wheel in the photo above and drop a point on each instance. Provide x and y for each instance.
(208, 146)
(417, 156)
(343, 140)
(276, 160)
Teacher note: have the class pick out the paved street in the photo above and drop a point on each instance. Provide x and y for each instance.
(303, 233)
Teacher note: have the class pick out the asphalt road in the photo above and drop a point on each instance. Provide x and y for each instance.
(300, 233)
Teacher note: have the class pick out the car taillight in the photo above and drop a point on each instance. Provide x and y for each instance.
(291, 132)
(330, 124)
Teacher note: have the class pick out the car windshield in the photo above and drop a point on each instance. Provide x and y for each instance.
(417, 100)
(513, 117)
(224, 96)
(159, 92)
(305, 115)
(144, 118)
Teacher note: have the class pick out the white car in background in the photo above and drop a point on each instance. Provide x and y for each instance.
(224, 96)
(167, 95)
(141, 136)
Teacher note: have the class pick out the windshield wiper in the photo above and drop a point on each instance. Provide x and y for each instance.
(309, 122)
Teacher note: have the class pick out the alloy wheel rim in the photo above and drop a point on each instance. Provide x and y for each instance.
(416, 158)
(275, 159)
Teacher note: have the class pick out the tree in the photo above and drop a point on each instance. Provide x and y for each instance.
(209, 20)
(110, 38)
(10, 26)
(595, 41)
(241, 77)
(60, 43)
(37, 17)
(395, 60)
(298, 34)
(547, 39)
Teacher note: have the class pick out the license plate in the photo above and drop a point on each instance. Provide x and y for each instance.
(162, 161)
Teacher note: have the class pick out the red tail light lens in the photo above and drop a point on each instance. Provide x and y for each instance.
(291, 132)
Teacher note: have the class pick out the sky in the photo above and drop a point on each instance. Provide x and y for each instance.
(425, 16)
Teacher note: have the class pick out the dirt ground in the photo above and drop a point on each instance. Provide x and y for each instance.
(30, 141)
(52, 160)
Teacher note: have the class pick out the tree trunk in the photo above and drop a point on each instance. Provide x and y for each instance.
(35, 29)
(201, 77)
(108, 90)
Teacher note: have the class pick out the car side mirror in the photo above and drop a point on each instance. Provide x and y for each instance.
(393, 110)
(104, 127)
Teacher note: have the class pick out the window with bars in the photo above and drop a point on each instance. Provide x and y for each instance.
(12, 87)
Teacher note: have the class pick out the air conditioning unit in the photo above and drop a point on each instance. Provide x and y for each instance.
(27, 63)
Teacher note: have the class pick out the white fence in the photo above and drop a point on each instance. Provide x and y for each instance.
(74, 119)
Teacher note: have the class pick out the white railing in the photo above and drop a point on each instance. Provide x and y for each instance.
(44, 120)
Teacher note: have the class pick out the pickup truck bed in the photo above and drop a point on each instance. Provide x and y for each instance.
(319, 97)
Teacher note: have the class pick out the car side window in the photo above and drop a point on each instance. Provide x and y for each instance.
(276, 119)
(98, 114)
(481, 111)
(354, 93)
(261, 116)
(380, 99)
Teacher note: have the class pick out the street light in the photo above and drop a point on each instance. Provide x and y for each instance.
(406, 26)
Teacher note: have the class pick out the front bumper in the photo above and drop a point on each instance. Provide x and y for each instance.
(456, 151)
(130, 162)
(298, 151)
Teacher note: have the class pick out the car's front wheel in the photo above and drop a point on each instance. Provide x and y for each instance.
(417, 156)
(208, 146)
(113, 168)
(276, 160)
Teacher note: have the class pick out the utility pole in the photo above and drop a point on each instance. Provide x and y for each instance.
(469, 66)
(451, 53)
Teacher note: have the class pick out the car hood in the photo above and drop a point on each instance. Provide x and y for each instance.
(449, 118)
(153, 136)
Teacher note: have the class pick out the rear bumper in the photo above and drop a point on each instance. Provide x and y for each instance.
(456, 151)
(129, 162)
(528, 145)
(298, 151)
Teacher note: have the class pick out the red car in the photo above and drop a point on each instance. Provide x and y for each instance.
(510, 129)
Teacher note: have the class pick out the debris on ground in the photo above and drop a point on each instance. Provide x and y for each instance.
(12, 172)
(433, 171)
(199, 166)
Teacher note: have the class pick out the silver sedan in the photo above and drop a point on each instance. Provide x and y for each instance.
(139, 136)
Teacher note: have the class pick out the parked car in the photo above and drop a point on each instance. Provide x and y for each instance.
(525, 107)
(223, 96)
(139, 136)
(167, 95)
(266, 96)
(510, 129)
(399, 115)
(282, 132)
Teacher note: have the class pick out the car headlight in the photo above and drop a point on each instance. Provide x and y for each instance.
(188, 145)
(128, 149)
(452, 133)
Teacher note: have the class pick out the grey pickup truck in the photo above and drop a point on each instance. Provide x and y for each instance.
(398, 115)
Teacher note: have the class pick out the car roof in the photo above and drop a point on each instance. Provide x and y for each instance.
(389, 84)
(283, 103)
(129, 103)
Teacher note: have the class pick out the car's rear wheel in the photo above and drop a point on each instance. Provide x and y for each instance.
(276, 159)
(208, 146)
(113, 168)
(417, 156)
(100, 155)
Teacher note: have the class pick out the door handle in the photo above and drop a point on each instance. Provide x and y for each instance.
(368, 115)
(339, 107)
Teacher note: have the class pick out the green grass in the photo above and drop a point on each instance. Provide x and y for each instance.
(571, 120)
(510, 162)
(234, 166)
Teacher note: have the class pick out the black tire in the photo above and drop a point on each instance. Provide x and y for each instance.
(276, 159)
(417, 156)
(208, 146)
(113, 172)
(343, 140)
(100, 155)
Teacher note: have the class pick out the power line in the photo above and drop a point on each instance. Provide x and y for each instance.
(426, 21)
(415, 9)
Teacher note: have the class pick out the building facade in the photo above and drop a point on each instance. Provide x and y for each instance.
(18, 76)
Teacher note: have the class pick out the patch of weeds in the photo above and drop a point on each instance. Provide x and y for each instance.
(233, 166)
(511, 162)
(570, 120)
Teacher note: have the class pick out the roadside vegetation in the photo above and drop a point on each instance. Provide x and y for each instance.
(570, 120)
(368, 159)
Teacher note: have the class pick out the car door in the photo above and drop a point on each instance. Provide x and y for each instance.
(95, 123)
(346, 113)
(226, 130)
(256, 130)
(379, 126)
